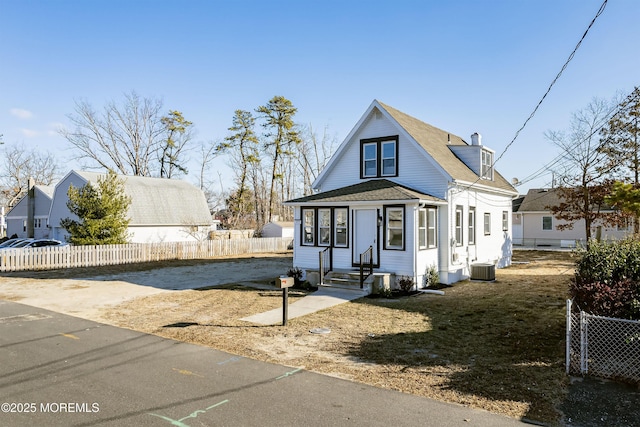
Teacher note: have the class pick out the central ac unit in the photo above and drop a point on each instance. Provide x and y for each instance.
(485, 272)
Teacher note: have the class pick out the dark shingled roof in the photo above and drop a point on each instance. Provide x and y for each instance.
(436, 142)
(368, 191)
(539, 199)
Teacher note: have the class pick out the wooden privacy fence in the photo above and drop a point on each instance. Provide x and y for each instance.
(52, 257)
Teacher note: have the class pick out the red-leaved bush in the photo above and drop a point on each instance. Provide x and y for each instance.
(607, 279)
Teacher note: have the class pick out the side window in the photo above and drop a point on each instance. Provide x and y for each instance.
(432, 224)
(458, 225)
(422, 228)
(505, 220)
(472, 226)
(487, 224)
(547, 223)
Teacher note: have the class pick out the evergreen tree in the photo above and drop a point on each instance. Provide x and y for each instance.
(101, 211)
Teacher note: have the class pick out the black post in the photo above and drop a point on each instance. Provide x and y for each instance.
(285, 305)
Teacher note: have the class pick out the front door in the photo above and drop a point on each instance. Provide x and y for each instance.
(365, 233)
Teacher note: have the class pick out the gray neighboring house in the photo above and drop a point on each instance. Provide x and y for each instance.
(535, 225)
(18, 217)
(161, 210)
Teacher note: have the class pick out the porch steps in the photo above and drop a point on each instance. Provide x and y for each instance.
(347, 280)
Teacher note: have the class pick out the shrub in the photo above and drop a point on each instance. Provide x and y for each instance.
(607, 279)
(296, 273)
(405, 283)
(431, 277)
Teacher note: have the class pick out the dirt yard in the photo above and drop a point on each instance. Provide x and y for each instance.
(495, 346)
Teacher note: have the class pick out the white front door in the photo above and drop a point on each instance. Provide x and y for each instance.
(365, 233)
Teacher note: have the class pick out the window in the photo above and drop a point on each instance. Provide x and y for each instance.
(370, 160)
(422, 229)
(487, 163)
(324, 227)
(458, 225)
(379, 157)
(37, 223)
(394, 228)
(340, 238)
(427, 228)
(388, 158)
(24, 225)
(431, 227)
(472, 226)
(505, 220)
(308, 227)
(487, 224)
(547, 223)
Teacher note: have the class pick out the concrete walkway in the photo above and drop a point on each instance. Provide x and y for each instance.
(324, 297)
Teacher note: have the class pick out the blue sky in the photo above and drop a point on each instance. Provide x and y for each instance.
(463, 66)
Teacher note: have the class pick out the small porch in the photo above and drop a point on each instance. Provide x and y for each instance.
(363, 278)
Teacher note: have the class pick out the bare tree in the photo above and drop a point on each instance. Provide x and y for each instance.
(124, 137)
(584, 181)
(21, 164)
(313, 153)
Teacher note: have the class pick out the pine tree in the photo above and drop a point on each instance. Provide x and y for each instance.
(101, 210)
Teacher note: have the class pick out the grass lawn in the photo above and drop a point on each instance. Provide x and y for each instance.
(497, 346)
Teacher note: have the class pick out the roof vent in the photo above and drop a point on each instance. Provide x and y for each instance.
(476, 139)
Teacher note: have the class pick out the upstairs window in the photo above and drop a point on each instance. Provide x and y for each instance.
(379, 157)
(487, 164)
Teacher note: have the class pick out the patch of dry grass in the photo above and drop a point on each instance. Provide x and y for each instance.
(496, 346)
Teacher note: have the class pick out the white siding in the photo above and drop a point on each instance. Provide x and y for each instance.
(414, 168)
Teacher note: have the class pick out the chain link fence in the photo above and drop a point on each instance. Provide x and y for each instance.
(602, 346)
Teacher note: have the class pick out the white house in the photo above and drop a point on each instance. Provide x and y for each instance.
(161, 210)
(35, 209)
(418, 196)
(278, 229)
(535, 225)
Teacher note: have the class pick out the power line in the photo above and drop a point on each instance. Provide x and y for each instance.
(604, 4)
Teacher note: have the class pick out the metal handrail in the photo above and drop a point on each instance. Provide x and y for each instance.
(366, 260)
(325, 263)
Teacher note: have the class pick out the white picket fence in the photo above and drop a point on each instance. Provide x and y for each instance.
(51, 258)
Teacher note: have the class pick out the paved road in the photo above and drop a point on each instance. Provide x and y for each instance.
(68, 371)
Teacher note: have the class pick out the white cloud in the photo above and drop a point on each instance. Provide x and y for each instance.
(21, 113)
(30, 133)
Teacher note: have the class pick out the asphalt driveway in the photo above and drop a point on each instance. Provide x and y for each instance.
(59, 370)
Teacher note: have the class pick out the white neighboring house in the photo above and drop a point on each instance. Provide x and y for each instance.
(161, 210)
(419, 196)
(18, 217)
(535, 225)
(278, 229)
